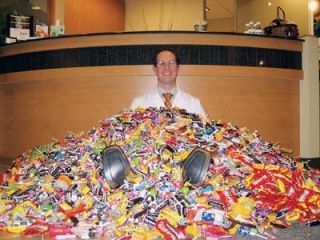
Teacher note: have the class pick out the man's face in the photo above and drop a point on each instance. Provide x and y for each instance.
(166, 69)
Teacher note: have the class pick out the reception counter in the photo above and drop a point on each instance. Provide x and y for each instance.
(51, 87)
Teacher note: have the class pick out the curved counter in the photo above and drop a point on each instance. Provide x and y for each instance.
(51, 86)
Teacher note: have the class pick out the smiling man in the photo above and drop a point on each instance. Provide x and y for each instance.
(116, 165)
(167, 94)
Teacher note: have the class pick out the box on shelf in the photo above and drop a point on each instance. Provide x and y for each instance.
(56, 31)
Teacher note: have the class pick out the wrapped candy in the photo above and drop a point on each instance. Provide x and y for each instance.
(251, 185)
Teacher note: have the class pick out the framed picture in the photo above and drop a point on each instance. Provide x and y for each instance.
(20, 27)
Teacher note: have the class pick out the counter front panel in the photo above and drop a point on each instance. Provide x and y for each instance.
(51, 87)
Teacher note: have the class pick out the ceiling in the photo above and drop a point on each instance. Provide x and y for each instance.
(220, 9)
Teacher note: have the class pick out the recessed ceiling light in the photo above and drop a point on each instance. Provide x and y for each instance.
(36, 8)
(313, 5)
(269, 4)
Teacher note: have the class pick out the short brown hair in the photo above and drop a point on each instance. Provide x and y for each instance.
(165, 49)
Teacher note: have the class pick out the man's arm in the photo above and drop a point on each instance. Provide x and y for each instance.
(134, 103)
(199, 109)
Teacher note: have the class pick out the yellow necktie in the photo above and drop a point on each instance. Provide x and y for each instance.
(167, 96)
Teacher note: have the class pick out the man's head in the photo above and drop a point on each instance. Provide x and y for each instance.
(166, 67)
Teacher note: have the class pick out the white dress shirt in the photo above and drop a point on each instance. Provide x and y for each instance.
(181, 100)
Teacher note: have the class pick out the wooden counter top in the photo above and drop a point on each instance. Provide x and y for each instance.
(157, 37)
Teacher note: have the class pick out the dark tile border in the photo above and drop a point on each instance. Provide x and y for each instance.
(142, 55)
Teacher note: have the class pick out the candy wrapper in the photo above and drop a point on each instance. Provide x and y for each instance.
(251, 186)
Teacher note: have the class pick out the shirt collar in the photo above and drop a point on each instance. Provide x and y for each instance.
(161, 91)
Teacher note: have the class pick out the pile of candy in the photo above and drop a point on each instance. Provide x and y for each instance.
(251, 186)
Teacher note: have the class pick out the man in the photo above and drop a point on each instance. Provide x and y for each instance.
(167, 93)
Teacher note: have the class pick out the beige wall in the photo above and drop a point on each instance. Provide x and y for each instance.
(146, 15)
(221, 25)
(258, 10)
